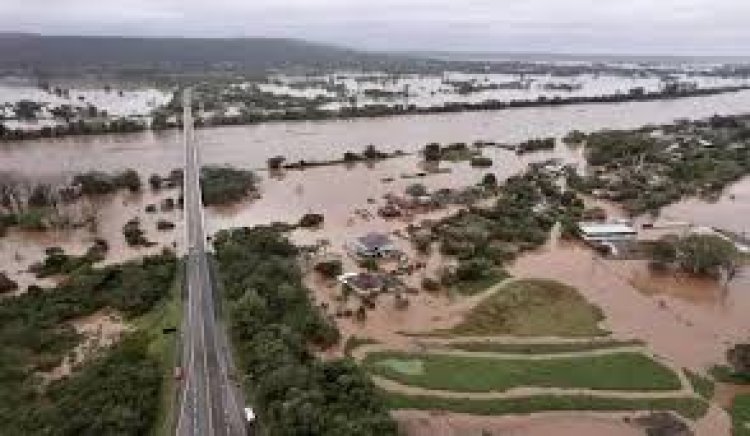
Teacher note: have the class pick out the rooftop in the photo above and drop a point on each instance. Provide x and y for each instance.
(374, 240)
(605, 228)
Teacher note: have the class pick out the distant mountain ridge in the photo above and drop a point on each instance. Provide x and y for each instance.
(69, 53)
(509, 56)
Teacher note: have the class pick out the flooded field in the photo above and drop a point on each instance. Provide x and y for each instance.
(457, 87)
(119, 102)
(20, 249)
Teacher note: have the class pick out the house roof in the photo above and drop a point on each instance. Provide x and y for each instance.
(608, 228)
(363, 280)
(373, 241)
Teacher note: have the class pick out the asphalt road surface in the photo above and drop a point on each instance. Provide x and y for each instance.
(210, 403)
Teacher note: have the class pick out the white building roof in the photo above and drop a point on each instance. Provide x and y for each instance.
(605, 228)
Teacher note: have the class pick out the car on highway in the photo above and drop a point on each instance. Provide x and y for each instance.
(250, 420)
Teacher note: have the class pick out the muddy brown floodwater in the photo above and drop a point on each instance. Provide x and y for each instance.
(250, 146)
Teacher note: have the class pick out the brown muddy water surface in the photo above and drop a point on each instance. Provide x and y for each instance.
(250, 146)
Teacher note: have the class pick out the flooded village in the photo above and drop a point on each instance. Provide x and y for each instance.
(580, 269)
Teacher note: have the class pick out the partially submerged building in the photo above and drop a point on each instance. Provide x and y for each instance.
(606, 232)
(373, 245)
(368, 284)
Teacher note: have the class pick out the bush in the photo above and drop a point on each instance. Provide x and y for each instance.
(432, 152)
(416, 190)
(128, 179)
(225, 185)
(574, 137)
(32, 220)
(739, 357)
(6, 284)
(430, 285)
(330, 268)
(372, 153)
(167, 204)
(164, 225)
(133, 233)
(310, 220)
(422, 243)
(489, 180)
(481, 162)
(56, 262)
(95, 183)
(275, 163)
(533, 145)
(351, 157)
(155, 182)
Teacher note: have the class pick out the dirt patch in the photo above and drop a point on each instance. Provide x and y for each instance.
(98, 331)
(418, 423)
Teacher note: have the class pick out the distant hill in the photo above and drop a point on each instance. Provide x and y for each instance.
(574, 57)
(51, 54)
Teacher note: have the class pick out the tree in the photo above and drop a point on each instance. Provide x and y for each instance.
(739, 357)
(489, 181)
(663, 252)
(329, 268)
(310, 220)
(481, 162)
(275, 163)
(432, 152)
(155, 182)
(706, 254)
(416, 190)
(372, 153)
(129, 179)
(6, 284)
(430, 285)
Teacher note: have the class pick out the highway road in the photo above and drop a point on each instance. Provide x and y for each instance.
(210, 404)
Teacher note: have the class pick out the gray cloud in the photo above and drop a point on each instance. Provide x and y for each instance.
(594, 26)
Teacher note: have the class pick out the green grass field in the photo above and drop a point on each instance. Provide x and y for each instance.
(741, 415)
(726, 374)
(541, 348)
(532, 308)
(617, 371)
(704, 386)
(690, 408)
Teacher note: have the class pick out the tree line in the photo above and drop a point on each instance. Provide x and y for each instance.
(274, 327)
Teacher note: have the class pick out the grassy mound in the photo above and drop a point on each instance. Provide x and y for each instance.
(626, 371)
(532, 307)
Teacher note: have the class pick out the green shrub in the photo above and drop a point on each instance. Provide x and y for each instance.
(226, 185)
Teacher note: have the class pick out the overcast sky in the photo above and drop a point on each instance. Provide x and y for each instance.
(680, 27)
